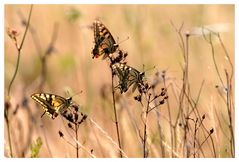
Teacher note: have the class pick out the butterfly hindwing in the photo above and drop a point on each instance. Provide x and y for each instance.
(52, 104)
(104, 41)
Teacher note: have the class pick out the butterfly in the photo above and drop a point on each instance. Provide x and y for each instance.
(52, 104)
(104, 41)
(127, 76)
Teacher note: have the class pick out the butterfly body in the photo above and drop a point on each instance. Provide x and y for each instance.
(127, 76)
(52, 104)
(104, 41)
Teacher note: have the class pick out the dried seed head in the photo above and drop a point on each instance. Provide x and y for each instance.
(138, 98)
(162, 93)
(161, 102)
(84, 117)
(69, 125)
(12, 33)
(61, 134)
(76, 116)
(211, 131)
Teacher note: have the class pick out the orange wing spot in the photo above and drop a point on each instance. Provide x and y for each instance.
(55, 103)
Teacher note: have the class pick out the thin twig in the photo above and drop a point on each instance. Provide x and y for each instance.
(214, 60)
(76, 136)
(209, 135)
(170, 121)
(19, 50)
(108, 137)
(159, 126)
(145, 150)
(229, 112)
(14, 76)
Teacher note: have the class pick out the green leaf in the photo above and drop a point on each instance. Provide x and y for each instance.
(35, 147)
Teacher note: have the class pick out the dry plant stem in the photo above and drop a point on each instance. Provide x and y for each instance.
(232, 70)
(209, 135)
(145, 149)
(229, 111)
(228, 57)
(14, 76)
(35, 38)
(159, 126)
(98, 142)
(115, 112)
(85, 149)
(77, 146)
(19, 50)
(108, 137)
(183, 89)
(170, 122)
(220, 125)
(184, 47)
(9, 135)
(198, 115)
(214, 60)
(195, 137)
(228, 85)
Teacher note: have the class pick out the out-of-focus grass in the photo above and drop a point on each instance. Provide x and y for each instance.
(152, 41)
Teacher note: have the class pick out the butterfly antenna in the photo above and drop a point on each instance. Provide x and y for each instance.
(43, 114)
(122, 40)
(77, 93)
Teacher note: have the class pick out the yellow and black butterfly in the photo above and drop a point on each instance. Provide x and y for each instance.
(127, 76)
(52, 104)
(104, 41)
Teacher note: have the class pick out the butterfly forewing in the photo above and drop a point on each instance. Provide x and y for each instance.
(104, 41)
(52, 104)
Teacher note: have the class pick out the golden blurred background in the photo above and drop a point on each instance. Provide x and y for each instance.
(153, 41)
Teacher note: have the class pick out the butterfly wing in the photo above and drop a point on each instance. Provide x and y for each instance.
(123, 73)
(52, 104)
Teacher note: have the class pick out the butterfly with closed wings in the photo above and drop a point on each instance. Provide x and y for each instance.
(128, 76)
(104, 41)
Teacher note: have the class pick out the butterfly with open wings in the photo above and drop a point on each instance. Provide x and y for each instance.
(52, 104)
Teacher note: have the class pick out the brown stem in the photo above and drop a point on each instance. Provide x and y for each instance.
(229, 112)
(170, 121)
(159, 126)
(145, 129)
(14, 76)
(77, 145)
(115, 113)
